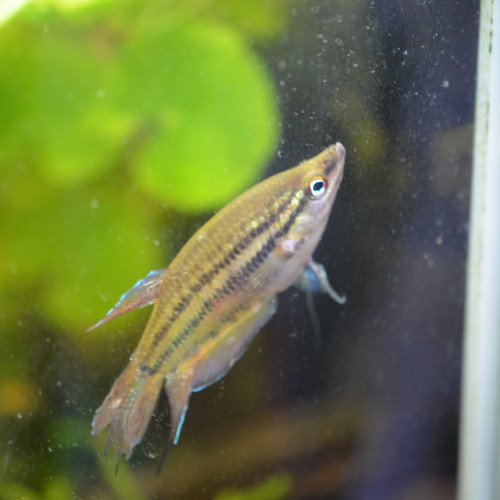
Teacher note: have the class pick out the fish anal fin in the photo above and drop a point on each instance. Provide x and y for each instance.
(178, 389)
(143, 293)
(211, 363)
(217, 358)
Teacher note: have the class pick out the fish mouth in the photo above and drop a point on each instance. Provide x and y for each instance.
(335, 171)
(333, 160)
(339, 148)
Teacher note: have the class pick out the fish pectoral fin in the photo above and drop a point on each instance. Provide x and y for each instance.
(217, 357)
(143, 293)
(314, 279)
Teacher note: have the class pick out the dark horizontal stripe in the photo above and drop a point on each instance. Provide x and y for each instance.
(206, 277)
(146, 368)
(228, 289)
(236, 280)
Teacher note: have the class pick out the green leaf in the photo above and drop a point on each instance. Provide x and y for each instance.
(15, 491)
(55, 109)
(259, 19)
(187, 105)
(59, 488)
(275, 487)
(100, 247)
(209, 108)
(82, 249)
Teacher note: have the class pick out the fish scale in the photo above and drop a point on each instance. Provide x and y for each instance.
(203, 291)
(218, 292)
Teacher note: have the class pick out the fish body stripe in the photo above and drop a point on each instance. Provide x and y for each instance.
(230, 286)
(225, 261)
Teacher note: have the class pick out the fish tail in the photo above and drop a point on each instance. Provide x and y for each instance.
(127, 409)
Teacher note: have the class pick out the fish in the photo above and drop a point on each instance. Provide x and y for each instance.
(217, 293)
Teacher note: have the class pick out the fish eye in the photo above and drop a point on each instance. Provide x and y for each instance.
(316, 187)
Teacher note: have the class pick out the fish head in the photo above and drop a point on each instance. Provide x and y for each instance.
(320, 179)
(316, 183)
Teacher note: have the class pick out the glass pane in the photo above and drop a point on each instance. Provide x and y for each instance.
(125, 126)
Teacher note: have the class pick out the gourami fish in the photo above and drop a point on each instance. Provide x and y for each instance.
(218, 292)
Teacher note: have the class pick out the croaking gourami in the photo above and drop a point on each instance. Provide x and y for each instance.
(217, 294)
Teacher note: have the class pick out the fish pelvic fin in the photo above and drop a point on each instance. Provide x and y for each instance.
(314, 279)
(143, 293)
(127, 409)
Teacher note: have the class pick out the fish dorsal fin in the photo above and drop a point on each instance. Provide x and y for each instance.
(143, 293)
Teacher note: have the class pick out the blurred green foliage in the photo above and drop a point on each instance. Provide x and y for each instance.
(215, 108)
(119, 120)
(105, 111)
(275, 487)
